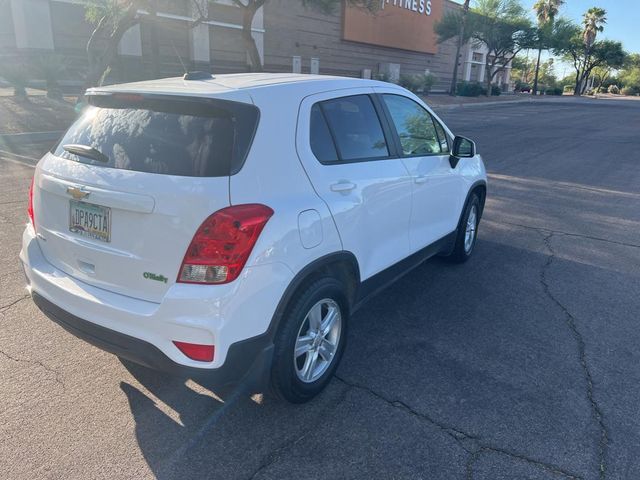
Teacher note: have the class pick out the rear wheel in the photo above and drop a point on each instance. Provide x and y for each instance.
(467, 231)
(310, 342)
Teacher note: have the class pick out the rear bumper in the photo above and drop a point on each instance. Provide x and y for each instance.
(247, 359)
(235, 317)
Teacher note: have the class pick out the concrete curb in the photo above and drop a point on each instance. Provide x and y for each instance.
(29, 137)
(477, 104)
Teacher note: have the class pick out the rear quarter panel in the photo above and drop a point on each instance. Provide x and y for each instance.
(272, 175)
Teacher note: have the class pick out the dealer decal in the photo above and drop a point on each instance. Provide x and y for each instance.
(155, 276)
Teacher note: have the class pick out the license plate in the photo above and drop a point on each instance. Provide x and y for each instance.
(89, 220)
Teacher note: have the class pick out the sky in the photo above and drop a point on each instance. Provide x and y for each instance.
(623, 19)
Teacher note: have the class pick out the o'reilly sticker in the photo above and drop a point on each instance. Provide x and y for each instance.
(155, 276)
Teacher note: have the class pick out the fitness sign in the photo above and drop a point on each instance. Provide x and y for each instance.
(403, 24)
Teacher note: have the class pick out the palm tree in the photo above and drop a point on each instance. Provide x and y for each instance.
(546, 11)
(593, 22)
(463, 23)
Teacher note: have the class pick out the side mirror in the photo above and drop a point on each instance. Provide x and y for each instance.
(462, 148)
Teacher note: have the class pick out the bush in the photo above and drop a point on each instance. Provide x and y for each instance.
(568, 89)
(629, 91)
(427, 82)
(470, 89)
(17, 75)
(495, 90)
(553, 91)
(520, 85)
(614, 89)
(50, 68)
(417, 83)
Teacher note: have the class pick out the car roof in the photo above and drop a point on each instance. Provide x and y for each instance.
(218, 85)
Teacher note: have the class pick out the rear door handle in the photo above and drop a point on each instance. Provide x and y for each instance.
(343, 186)
(420, 179)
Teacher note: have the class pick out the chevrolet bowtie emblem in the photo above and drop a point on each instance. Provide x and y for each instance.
(77, 192)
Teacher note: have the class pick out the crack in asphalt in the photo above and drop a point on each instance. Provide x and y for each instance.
(4, 308)
(273, 456)
(55, 373)
(567, 234)
(571, 323)
(463, 438)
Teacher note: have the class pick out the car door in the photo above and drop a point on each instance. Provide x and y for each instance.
(345, 146)
(438, 189)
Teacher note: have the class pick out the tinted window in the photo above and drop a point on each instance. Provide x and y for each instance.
(187, 138)
(414, 125)
(321, 141)
(356, 128)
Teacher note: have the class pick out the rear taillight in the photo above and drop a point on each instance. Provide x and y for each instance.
(30, 208)
(201, 353)
(223, 243)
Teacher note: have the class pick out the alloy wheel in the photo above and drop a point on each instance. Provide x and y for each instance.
(317, 341)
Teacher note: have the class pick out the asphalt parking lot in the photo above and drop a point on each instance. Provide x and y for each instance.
(522, 363)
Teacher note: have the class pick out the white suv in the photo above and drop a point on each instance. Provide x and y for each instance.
(229, 226)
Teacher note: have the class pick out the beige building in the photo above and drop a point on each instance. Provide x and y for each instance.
(398, 39)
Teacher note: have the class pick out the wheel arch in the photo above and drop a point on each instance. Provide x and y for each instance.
(341, 265)
(479, 187)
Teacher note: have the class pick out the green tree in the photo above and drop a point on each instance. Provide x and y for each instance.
(546, 11)
(523, 68)
(585, 53)
(630, 73)
(502, 27)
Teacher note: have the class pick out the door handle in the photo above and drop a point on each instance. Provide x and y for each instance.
(343, 186)
(420, 179)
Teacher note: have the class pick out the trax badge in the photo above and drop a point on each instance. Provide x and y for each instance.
(155, 276)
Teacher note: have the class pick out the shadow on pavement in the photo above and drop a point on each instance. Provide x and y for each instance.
(478, 348)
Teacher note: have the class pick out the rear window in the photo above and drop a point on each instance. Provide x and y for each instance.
(154, 134)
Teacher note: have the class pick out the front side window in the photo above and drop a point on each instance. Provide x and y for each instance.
(356, 128)
(442, 136)
(414, 125)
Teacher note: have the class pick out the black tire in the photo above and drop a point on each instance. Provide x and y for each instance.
(461, 252)
(285, 381)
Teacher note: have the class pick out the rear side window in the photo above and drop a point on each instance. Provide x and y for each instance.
(321, 142)
(186, 137)
(355, 126)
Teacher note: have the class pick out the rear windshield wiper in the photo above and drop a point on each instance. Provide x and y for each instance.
(86, 151)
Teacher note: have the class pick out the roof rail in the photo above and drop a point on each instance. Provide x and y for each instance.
(197, 76)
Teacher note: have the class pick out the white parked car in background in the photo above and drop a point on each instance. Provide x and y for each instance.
(228, 225)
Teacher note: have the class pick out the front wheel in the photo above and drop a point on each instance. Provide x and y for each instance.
(310, 342)
(467, 231)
